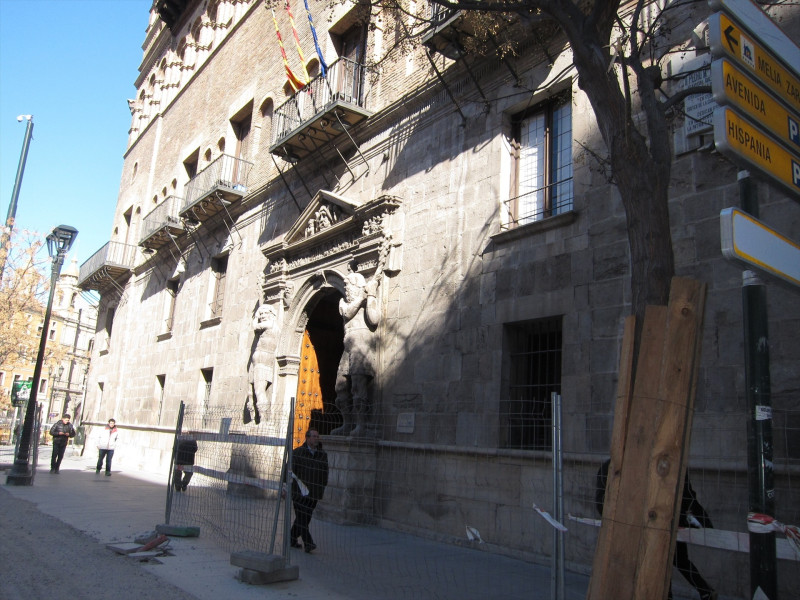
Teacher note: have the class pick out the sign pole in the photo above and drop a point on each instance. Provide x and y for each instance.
(760, 475)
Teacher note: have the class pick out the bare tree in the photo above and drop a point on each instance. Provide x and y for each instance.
(617, 50)
(23, 292)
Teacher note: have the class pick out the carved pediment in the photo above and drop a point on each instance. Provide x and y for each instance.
(334, 232)
(326, 213)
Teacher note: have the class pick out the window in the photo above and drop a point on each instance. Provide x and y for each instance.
(100, 386)
(531, 372)
(241, 129)
(219, 268)
(190, 164)
(109, 326)
(51, 334)
(128, 216)
(205, 392)
(161, 381)
(242, 125)
(172, 298)
(348, 75)
(542, 174)
(42, 386)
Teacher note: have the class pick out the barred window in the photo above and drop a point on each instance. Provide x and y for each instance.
(172, 299)
(531, 372)
(219, 267)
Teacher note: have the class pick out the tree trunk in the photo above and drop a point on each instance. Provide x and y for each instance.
(640, 169)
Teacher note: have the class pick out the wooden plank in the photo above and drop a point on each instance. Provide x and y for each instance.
(633, 556)
(644, 414)
(620, 515)
(669, 446)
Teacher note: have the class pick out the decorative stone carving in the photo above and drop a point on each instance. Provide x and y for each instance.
(361, 314)
(341, 243)
(260, 370)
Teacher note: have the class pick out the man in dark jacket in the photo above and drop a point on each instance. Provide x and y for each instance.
(184, 457)
(61, 432)
(309, 478)
(692, 515)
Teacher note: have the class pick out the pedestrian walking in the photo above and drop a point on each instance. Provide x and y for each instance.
(692, 515)
(61, 432)
(106, 444)
(184, 462)
(309, 479)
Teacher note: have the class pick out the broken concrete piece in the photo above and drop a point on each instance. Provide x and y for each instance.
(178, 530)
(260, 578)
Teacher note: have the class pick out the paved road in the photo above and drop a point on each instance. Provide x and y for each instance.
(55, 531)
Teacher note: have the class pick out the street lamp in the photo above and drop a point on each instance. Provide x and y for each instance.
(58, 244)
(12, 207)
(53, 388)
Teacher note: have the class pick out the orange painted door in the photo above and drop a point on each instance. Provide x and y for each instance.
(309, 394)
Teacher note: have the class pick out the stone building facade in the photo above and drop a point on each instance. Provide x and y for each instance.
(499, 282)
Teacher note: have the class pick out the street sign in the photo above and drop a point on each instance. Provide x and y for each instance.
(694, 72)
(732, 86)
(762, 27)
(726, 37)
(737, 138)
(20, 392)
(745, 239)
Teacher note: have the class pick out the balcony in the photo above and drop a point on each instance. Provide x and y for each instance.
(321, 111)
(107, 267)
(446, 31)
(161, 223)
(221, 183)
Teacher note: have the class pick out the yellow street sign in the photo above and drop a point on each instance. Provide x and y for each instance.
(737, 138)
(745, 239)
(728, 38)
(732, 86)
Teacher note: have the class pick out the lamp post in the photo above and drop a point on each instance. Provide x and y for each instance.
(58, 244)
(53, 389)
(12, 207)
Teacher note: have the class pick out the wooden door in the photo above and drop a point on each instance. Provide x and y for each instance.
(309, 393)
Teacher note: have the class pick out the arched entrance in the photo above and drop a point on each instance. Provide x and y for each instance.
(321, 348)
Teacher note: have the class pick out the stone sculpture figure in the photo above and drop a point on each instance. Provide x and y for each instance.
(361, 314)
(260, 373)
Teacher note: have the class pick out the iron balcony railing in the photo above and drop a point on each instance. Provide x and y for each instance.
(343, 82)
(540, 204)
(163, 215)
(115, 256)
(439, 14)
(226, 173)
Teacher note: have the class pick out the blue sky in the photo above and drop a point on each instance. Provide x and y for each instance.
(72, 65)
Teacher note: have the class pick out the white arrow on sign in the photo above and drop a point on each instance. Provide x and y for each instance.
(748, 240)
(753, 17)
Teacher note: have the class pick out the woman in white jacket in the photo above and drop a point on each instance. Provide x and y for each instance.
(106, 443)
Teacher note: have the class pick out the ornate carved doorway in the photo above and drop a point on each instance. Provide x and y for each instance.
(321, 350)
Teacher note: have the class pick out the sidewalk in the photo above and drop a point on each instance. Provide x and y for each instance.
(126, 505)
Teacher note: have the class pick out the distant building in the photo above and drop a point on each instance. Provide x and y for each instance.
(62, 383)
(466, 186)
